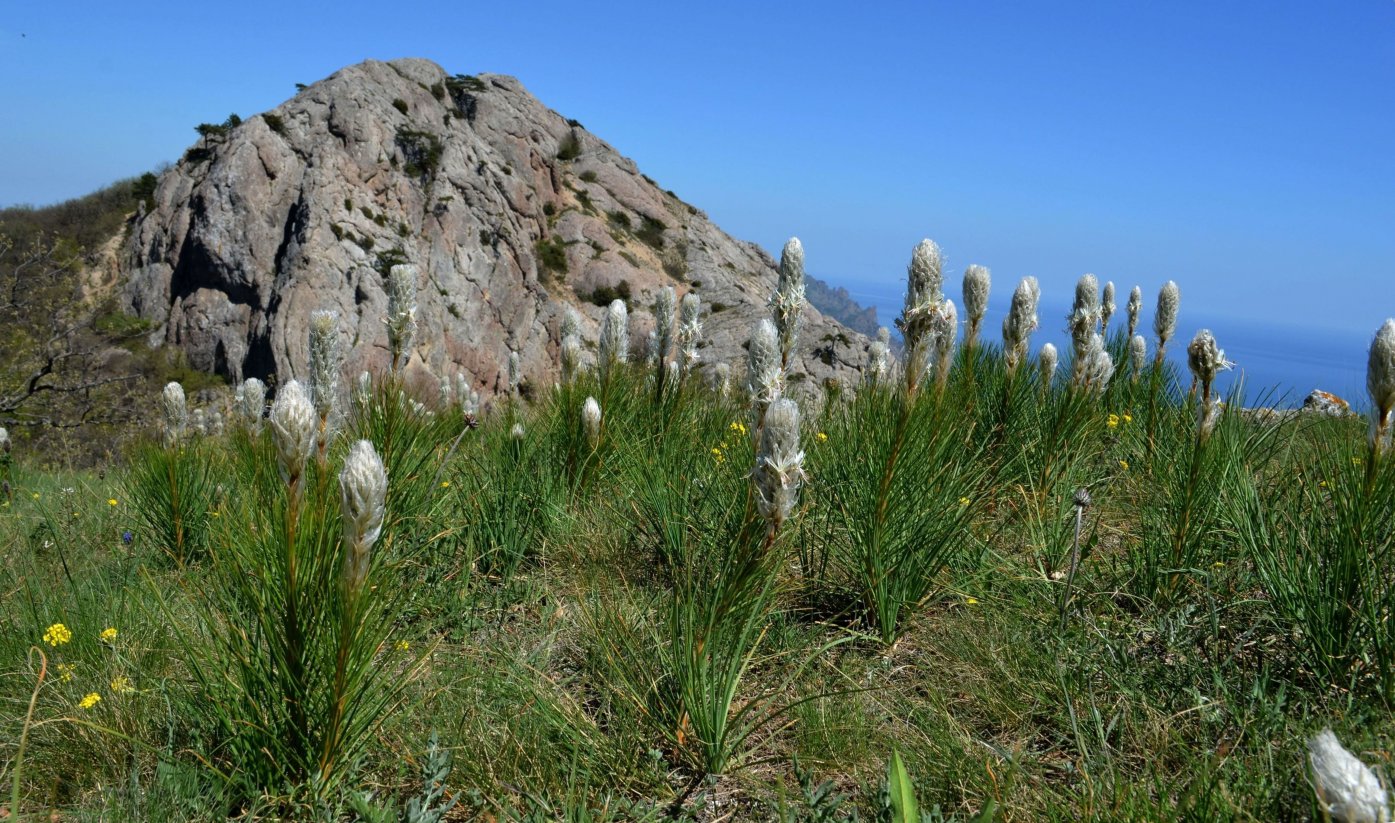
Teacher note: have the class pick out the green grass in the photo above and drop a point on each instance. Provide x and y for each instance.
(605, 631)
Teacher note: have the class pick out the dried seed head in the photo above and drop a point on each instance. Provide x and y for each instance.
(469, 403)
(977, 282)
(884, 336)
(1046, 365)
(779, 467)
(1106, 307)
(765, 380)
(402, 312)
(446, 390)
(362, 502)
(293, 427)
(651, 349)
(176, 412)
(921, 311)
(615, 337)
(517, 432)
(250, 403)
(591, 421)
(689, 331)
(571, 324)
(1206, 359)
(1138, 353)
(1134, 308)
(199, 420)
(1165, 321)
(1097, 367)
(1020, 322)
(1346, 788)
(787, 303)
(326, 361)
(665, 307)
(515, 368)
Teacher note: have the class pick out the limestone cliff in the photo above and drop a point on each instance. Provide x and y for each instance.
(511, 211)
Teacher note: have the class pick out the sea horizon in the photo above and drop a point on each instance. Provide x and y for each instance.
(1279, 363)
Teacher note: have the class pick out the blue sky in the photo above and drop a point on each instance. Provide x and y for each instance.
(1246, 150)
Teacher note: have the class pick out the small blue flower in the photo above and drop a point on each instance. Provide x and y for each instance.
(127, 537)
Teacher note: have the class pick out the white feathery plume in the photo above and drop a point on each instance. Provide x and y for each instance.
(689, 332)
(787, 303)
(1046, 365)
(1134, 307)
(1106, 307)
(615, 338)
(176, 412)
(571, 358)
(292, 421)
(1020, 322)
(1165, 320)
(1347, 789)
(779, 469)
(591, 421)
(765, 380)
(922, 310)
(362, 502)
(1380, 384)
(977, 282)
(250, 404)
(401, 313)
(1138, 354)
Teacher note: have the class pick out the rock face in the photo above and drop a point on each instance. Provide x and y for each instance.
(1326, 404)
(511, 212)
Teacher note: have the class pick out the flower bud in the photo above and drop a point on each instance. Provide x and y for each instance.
(250, 403)
(1046, 365)
(1380, 383)
(615, 338)
(515, 373)
(591, 421)
(1020, 322)
(1138, 353)
(402, 312)
(292, 421)
(977, 282)
(665, 306)
(1165, 321)
(571, 324)
(1205, 359)
(326, 360)
(765, 380)
(787, 303)
(570, 357)
(1134, 308)
(1346, 788)
(779, 463)
(1106, 307)
(176, 412)
(689, 331)
(362, 502)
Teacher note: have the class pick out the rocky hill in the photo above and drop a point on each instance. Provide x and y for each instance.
(511, 211)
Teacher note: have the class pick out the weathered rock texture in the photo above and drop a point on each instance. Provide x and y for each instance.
(511, 211)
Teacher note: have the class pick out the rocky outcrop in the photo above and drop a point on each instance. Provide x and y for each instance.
(835, 302)
(511, 211)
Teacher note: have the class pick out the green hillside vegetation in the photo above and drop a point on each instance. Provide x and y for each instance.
(979, 590)
(77, 371)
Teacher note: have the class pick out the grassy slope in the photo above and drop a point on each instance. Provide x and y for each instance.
(1152, 703)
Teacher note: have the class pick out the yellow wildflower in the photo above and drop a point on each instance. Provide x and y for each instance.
(971, 601)
(1113, 421)
(57, 635)
(215, 513)
(445, 484)
(963, 501)
(1218, 565)
(35, 495)
(108, 634)
(404, 645)
(65, 672)
(111, 501)
(1356, 461)
(1322, 484)
(1128, 418)
(121, 684)
(738, 427)
(821, 437)
(90, 700)
(1124, 464)
(717, 454)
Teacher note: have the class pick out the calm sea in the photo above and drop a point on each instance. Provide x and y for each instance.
(1280, 364)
